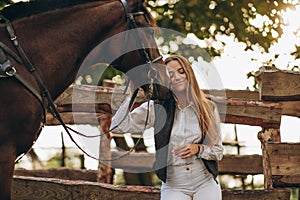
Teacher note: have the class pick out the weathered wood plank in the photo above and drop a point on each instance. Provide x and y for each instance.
(250, 112)
(87, 94)
(239, 107)
(85, 107)
(74, 118)
(133, 162)
(60, 173)
(234, 94)
(87, 97)
(284, 164)
(34, 188)
(286, 181)
(274, 194)
(278, 85)
(230, 164)
(99, 94)
(291, 108)
(284, 158)
(48, 189)
(44, 188)
(241, 164)
(256, 113)
(81, 114)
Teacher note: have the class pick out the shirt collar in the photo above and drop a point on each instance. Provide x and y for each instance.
(191, 104)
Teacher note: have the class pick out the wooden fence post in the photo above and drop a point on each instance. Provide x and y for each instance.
(267, 135)
(105, 173)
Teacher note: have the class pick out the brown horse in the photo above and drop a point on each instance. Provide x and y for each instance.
(56, 36)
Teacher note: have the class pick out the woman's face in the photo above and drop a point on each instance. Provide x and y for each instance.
(177, 75)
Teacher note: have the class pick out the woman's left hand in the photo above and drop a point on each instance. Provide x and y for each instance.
(186, 150)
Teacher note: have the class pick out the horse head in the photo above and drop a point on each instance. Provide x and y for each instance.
(139, 56)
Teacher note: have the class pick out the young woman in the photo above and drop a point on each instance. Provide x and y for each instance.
(187, 135)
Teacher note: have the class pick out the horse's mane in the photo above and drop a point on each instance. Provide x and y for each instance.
(26, 9)
(33, 7)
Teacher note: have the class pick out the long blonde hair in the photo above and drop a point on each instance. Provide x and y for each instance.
(204, 107)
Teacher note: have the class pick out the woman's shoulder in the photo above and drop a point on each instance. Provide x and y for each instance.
(213, 104)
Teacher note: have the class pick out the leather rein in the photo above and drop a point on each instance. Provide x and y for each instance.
(44, 97)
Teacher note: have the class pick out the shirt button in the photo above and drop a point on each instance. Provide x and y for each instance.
(187, 169)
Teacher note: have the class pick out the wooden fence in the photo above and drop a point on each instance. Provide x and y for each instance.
(278, 95)
(36, 188)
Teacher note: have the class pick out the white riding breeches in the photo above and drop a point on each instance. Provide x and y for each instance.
(190, 182)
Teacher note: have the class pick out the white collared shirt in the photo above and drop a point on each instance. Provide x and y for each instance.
(186, 129)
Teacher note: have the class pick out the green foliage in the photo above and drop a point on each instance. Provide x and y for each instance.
(210, 18)
(294, 193)
(95, 74)
(5, 2)
(56, 160)
(109, 73)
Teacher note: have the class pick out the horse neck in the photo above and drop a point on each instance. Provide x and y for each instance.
(57, 41)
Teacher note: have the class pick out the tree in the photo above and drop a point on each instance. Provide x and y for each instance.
(208, 19)
(5, 2)
(257, 23)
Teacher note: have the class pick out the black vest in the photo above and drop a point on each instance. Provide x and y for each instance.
(162, 133)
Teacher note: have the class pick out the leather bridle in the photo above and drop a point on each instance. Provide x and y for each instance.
(44, 97)
(130, 18)
(151, 76)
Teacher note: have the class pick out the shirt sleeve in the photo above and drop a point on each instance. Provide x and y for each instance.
(134, 121)
(214, 152)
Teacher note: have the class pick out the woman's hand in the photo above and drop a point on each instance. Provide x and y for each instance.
(187, 150)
